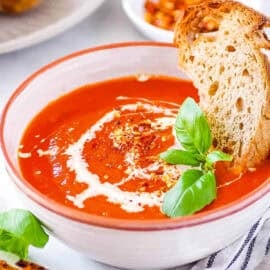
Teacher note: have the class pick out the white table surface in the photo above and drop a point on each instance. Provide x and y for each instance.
(107, 25)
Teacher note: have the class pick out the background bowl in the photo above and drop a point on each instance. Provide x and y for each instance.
(124, 243)
(134, 9)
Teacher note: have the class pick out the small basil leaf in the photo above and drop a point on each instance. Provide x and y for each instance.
(192, 129)
(175, 156)
(23, 227)
(193, 191)
(11, 243)
(172, 199)
(217, 156)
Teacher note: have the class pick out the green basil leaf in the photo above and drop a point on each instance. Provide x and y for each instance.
(11, 243)
(172, 198)
(23, 228)
(175, 156)
(218, 156)
(192, 129)
(193, 191)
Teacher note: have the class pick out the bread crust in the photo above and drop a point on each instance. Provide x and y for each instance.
(17, 6)
(23, 265)
(215, 24)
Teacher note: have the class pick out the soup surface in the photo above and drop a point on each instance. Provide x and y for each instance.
(97, 149)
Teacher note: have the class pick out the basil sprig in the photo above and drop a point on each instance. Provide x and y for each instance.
(196, 188)
(18, 230)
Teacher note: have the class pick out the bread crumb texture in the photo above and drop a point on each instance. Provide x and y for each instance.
(221, 49)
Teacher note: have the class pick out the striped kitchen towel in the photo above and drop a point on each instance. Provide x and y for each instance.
(251, 252)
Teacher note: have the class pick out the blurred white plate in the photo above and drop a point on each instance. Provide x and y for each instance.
(135, 12)
(49, 19)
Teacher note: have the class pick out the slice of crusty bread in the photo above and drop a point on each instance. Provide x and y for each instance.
(17, 6)
(221, 49)
(23, 265)
(5, 266)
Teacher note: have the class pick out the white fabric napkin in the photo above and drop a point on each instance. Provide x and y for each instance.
(251, 252)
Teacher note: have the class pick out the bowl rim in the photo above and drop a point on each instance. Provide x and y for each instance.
(106, 222)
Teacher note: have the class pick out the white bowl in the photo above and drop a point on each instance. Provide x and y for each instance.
(132, 244)
(134, 9)
(135, 12)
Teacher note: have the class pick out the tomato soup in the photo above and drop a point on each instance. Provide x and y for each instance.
(97, 149)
